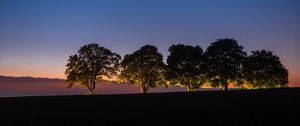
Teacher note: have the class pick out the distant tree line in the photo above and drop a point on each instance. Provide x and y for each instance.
(224, 62)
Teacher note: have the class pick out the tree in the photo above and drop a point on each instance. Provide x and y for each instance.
(263, 69)
(224, 59)
(90, 65)
(144, 67)
(186, 66)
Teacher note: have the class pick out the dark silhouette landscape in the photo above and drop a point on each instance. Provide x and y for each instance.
(238, 107)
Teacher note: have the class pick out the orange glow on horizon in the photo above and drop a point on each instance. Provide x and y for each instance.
(58, 72)
(43, 72)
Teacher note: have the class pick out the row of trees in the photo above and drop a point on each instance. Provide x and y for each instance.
(224, 62)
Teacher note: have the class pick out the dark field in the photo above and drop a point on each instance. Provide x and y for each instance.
(235, 107)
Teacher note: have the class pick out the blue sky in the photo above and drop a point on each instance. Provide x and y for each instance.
(37, 36)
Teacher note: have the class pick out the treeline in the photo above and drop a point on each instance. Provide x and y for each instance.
(224, 62)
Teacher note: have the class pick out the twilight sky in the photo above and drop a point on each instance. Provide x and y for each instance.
(38, 36)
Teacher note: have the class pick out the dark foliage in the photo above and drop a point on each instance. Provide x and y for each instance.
(224, 60)
(263, 69)
(90, 65)
(144, 67)
(186, 66)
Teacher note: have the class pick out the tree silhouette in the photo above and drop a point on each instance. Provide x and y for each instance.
(224, 59)
(263, 69)
(186, 66)
(90, 65)
(144, 67)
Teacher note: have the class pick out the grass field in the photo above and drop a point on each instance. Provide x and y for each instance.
(235, 107)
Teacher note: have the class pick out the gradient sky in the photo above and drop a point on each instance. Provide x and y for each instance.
(38, 36)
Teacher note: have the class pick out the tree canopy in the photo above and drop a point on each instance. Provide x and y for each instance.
(263, 69)
(224, 62)
(224, 59)
(91, 63)
(144, 67)
(186, 66)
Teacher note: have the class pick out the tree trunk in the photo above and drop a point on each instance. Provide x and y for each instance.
(91, 92)
(225, 88)
(189, 88)
(143, 88)
(91, 88)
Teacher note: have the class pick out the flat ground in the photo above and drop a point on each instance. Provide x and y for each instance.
(236, 107)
